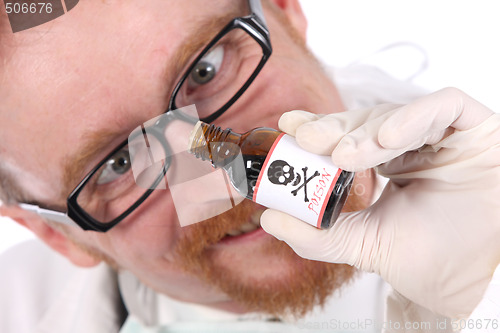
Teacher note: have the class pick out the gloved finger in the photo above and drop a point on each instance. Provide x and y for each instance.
(360, 149)
(343, 243)
(289, 121)
(297, 234)
(430, 116)
(425, 121)
(323, 135)
(466, 155)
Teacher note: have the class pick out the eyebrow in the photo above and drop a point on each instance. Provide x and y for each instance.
(199, 37)
(98, 141)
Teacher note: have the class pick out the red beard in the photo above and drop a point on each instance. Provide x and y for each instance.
(300, 285)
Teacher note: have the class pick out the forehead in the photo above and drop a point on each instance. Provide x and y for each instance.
(105, 66)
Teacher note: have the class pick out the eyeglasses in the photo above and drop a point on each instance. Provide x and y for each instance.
(213, 82)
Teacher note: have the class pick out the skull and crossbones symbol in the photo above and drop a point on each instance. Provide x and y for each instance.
(282, 173)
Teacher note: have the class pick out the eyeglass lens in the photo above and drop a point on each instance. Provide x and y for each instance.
(220, 73)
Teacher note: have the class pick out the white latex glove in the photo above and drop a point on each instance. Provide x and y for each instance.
(434, 234)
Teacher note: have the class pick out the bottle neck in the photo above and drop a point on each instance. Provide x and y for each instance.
(212, 143)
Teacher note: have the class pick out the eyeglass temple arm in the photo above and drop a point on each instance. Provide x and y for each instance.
(256, 8)
(49, 214)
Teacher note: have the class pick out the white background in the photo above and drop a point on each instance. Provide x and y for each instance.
(459, 37)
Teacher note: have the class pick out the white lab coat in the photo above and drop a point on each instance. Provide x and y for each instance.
(42, 292)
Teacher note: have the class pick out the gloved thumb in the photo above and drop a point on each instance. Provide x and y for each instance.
(297, 234)
(340, 244)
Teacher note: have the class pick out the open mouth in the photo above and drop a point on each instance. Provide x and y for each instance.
(251, 225)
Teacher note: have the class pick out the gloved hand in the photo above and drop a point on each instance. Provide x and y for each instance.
(434, 234)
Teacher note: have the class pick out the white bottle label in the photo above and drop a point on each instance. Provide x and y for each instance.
(296, 181)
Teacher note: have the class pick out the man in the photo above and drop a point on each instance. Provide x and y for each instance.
(92, 76)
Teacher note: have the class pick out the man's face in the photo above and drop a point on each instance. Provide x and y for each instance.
(76, 88)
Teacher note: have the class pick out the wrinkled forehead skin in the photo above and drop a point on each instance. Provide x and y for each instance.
(74, 74)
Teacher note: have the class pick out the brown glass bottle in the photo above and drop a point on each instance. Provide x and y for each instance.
(223, 147)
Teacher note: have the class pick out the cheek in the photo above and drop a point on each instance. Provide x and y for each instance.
(147, 236)
(273, 93)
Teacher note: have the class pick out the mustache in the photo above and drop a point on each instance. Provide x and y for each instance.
(197, 237)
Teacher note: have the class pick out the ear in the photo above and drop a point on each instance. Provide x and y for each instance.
(294, 13)
(52, 237)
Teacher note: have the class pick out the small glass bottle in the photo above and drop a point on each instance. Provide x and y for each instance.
(275, 172)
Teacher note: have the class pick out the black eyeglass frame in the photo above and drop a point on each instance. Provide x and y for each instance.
(253, 24)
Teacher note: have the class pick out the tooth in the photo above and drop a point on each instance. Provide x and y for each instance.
(247, 227)
(255, 218)
(234, 232)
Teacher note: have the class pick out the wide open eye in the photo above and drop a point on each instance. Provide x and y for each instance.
(115, 167)
(207, 68)
(216, 78)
